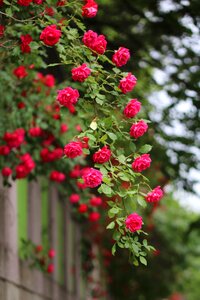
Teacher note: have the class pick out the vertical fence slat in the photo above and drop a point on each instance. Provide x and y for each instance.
(53, 236)
(77, 261)
(34, 212)
(9, 262)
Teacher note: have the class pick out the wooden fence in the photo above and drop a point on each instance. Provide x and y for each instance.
(17, 280)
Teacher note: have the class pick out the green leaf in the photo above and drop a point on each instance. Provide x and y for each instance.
(111, 225)
(145, 149)
(114, 249)
(93, 125)
(112, 136)
(106, 189)
(143, 260)
(141, 201)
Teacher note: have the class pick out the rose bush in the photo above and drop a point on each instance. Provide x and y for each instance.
(85, 148)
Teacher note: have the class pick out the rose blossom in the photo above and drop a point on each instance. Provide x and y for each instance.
(6, 171)
(63, 128)
(121, 56)
(73, 149)
(38, 2)
(83, 208)
(20, 72)
(75, 172)
(94, 216)
(25, 167)
(26, 40)
(92, 177)
(155, 195)
(2, 29)
(138, 129)
(132, 108)
(95, 201)
(133, 222)
(50, 35)
(90, 9)
(95, 42)
(51, 253)
(57, 176)
(141, 163)
(101, 156)
(24, 2)
(4, 150)
(50, 268)
(14, 139)
(35, 131)
(128, 83)
(49, 80)
(74, 198)
(81, 73)
(68, 96)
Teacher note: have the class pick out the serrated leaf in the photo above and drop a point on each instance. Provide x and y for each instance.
(145, 149)
(111, 225)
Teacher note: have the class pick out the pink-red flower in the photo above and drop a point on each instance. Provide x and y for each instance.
(132, 108)
(138, 129)
(20, 72)
(73, 149)
(4, 150)
(50, 268)
(49, 80)
(26, 40)
(68, 96)
(95, 201)
(50, 35)
(24, 2)
(35, 131)
(57, 176)
(121, 56)
(133, 222)
(83, 208)
(74, 198)
(2, 29)
(155, 195)
(92, 177)
(141, 163)
(25, 167)
(95, 42)
(51, 253)
(81, 73)
(101, 156)
(94, 216)
(14, 139)
(90, 9)
(128, 83)
(6, 171)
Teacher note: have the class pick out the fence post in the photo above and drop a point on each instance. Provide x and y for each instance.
(77, 240)
(53, 234)
(9, 262)
(34, 212)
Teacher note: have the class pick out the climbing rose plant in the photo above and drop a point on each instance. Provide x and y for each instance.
(79, 128)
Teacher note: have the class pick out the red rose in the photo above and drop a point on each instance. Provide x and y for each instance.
(26, 40)
(35, 131)
(49, 11)
(57, 176)
(21, 105)
(24, 2)
(75, 173)
(14, 139)
(95, 42)
(101, 156)
(4, 150)
(121, 56)
(50, 35)
(51, 253)
(6, 171)
(141, 163)
(80, 73)
(2, 29)
(74, 198)
(83, 208)
(94, 216)
(155, 195)
(128, 83)
(92, 177)
(95, 201)
(63, 128)
(38, 2)
(25, 167)
(133, 222)
(138, 129)
(50, 268)
(20, 72)
(132, 108)
(49, 80)
(61, 3)
(73, 149)
(68, 96)
(90, 9)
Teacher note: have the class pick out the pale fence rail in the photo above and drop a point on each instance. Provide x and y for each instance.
(17, 280)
